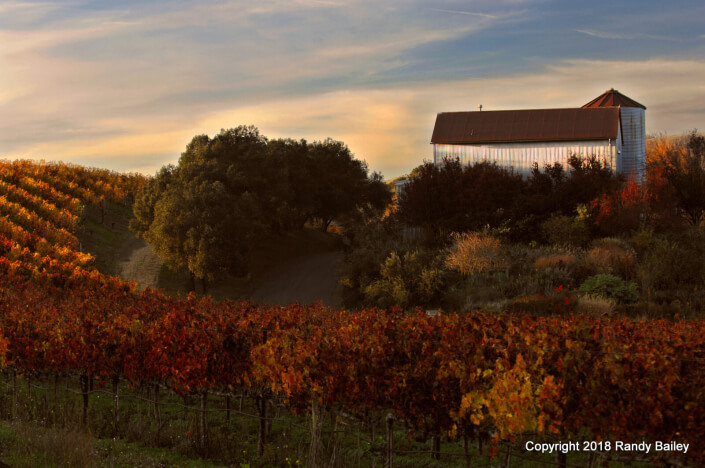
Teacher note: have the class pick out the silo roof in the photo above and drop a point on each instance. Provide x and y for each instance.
(613, 98)
(573, 124)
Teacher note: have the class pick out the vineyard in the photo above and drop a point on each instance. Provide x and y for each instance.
(479, 382)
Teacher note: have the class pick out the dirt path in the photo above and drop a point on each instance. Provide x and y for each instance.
(138, 262)
(302, 280)
(298, 268)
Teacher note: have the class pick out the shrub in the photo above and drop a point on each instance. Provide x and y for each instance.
(565, 260)
(595, 306)
(476, 253)
(412, 279)
(610, 287)
(559, 302)
(611, 256)
(565, 230)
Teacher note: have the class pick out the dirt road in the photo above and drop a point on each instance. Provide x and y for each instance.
(302, 280)
(138, 262)
(309, 276)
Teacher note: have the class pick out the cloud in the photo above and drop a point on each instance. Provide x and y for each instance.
(128, 86)
(391, 127)
(625, 36)
(464, 12)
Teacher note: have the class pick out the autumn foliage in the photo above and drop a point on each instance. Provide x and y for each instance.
(449, 375)
(442, 375)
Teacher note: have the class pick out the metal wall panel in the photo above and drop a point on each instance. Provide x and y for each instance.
(522, 156)
(634, 145)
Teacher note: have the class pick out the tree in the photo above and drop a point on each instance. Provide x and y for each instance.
(294, 165)
(452, 197)
(683, 166)
(340, 183)
(203, 214)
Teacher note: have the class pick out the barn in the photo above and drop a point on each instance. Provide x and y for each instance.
(610, 127)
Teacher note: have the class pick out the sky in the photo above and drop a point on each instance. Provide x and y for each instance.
(126, 85)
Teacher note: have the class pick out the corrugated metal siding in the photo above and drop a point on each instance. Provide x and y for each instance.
(634, 145)
(522, 156)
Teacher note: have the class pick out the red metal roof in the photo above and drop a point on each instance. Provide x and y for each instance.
(594, 123)
(613, 98)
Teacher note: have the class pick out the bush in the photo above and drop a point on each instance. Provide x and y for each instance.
(595, 306)
(611, 256)
(565, 230)
(610, 287)
(559, 302)
(564, 260)
(476, 253)
(412, 279)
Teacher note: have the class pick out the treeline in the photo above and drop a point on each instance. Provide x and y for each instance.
(477, 375)
(452, 197)
(204, 214)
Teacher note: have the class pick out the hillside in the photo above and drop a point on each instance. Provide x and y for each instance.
(52, 216)
(128, 369)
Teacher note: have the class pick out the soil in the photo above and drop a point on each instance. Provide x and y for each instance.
(285, 269)
(138, 262)
(302, 280)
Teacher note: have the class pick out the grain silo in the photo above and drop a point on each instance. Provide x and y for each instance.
(633, 125)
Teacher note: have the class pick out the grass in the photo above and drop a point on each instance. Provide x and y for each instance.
(105, 240)
(46, 431)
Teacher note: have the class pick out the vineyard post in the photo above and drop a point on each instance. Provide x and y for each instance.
(389, 457)
(466, 450)
(561, 459)
(204, 425)
(84, 391)
(316, 455)
(56, 384)
(508, 457)
(116, 401)
(261, 403)
(358, 446)
(14, 393)
(334, 438)
(436, 447)
(157, 411)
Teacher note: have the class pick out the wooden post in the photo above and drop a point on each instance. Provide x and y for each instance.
(116, 402)
(14, 393)
(84, 391)
(227, 408)
(157, 411)
(56, 385)
(466, 450)
(508, 457)
(204, 422)
(436, 447)
(561, 459)
(389, 456)
(316, 450)
(261, 437)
